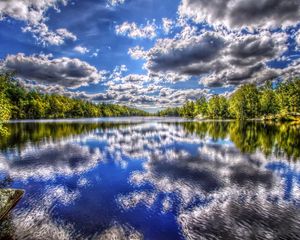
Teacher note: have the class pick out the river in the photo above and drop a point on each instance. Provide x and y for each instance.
(152, 178)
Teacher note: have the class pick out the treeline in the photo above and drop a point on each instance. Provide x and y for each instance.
(18, 103)
(280, 100)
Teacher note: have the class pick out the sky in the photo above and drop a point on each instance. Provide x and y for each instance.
(149, 54)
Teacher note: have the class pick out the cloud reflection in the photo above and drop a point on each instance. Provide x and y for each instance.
(216, 190)
(37, 222)
(50, 160)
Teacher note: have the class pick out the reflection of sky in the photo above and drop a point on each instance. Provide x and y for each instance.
(153, 180)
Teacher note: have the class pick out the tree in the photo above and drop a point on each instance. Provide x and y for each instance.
(288, 95)
(268, 100)
(188, 110)
(201, 106)
(5, 108)
(244, 103)
(218, 107)
(19, 103)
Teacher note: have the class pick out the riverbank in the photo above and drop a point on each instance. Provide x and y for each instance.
(288, 117)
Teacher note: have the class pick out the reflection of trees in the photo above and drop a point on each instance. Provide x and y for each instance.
(22, 133)
(288, 140)
(280, 139)
(216, 130)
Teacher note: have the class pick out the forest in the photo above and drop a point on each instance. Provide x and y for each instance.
(19, 103)
(279, 100)
(273, 101)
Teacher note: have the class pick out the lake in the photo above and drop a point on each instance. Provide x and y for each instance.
(152, 178)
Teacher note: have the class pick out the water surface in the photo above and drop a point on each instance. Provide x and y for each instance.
(151, 178)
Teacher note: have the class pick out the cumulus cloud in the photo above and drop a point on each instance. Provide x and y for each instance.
(297, 37)
(167, 25)
(258, 74)
(237, 57)
(136, 78)
(81, 49)
(67, 72)
(137, 52)
(53, 89)
(243, 14)
(115, 2)
(170, 54)
(132, 30)
(44, 36)
(33, 13)
(292, 70)
(142, 90)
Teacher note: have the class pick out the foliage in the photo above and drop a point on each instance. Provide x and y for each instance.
(244, 103)
(18, 103)
(218, 107)
(171, 112)
(5, 108)
(268, 100)
(279, 101)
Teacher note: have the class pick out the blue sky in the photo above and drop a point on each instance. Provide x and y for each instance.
(150, 54)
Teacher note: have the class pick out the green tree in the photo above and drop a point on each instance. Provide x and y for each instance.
(5, 107)
(218, 107)
(244, 103)
(288, 95)
(201, 106)
(268, 100)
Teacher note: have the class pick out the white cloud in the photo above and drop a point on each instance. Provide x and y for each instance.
(223, 58)
(81, 49)
(66, 34)
(167, 25)
(132, 30)
(143, 91)
(115, 2)
(95, 53)
(67, 72)
(137, 52)
(297, 38)
(33, 13)
(243, 13)
(44, 36)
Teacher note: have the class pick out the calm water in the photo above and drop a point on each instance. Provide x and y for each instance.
(152, 179)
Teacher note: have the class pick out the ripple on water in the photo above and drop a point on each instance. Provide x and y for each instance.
(153, 180)
(235, 217)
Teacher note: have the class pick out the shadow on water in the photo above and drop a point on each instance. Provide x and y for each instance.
(153, 180)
